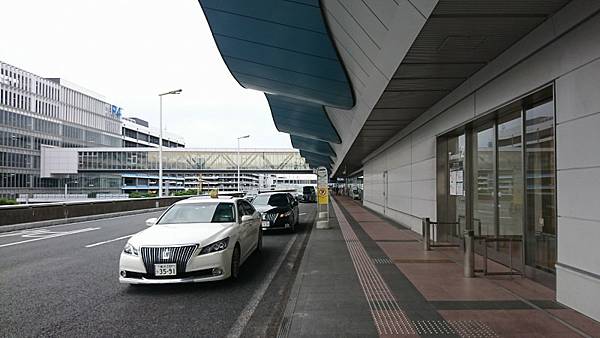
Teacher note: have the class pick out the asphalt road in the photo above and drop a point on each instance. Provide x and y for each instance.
(51, 284)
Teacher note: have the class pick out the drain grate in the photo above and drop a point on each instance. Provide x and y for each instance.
(462, 328)
(382, 260)
(472, 329)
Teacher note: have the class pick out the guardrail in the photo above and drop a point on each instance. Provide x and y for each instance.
(26, 213)
(428, 243)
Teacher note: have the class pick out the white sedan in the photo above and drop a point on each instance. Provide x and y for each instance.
(195, 240)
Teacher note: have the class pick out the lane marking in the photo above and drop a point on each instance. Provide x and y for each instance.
(241, 322)
(109, 241)
(12, 233)
(52, 235)
(302, 214)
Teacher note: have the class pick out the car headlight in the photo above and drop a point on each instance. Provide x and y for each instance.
(216, 246)
(286, 214)
(131, 250)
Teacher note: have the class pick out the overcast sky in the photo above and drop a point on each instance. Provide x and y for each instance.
(131, 50)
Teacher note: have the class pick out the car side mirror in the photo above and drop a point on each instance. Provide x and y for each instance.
(151, 221)
(246, 218)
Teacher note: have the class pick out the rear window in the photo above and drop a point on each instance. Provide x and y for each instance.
(275, 200)
(308, 190)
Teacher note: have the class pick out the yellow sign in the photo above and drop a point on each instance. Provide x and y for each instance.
(323, 195)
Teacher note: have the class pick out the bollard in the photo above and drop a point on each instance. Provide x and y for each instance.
(469, 264)
(426, 227)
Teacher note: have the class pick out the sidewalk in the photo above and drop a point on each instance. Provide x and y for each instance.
(370, 277)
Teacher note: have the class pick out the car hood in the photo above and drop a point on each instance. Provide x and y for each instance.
(180, 234)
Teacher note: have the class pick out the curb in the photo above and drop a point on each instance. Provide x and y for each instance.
(61, 221)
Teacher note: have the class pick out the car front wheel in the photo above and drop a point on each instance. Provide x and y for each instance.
(259, 244)
(235, 263)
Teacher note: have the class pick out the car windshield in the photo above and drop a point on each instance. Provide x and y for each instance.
(277, 200)
(199, 213)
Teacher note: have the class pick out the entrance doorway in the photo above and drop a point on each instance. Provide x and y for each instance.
(496, 176)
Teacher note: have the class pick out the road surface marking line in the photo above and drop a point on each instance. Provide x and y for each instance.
(109, 241)
(50, 236)
(241, 322)
(92, 220)
(302, 214)
(13, 234)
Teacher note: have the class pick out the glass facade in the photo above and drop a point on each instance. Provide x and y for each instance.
(509, 179)
(189, 160)
(37, 111)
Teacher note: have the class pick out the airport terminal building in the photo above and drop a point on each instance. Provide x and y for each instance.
(480, 113)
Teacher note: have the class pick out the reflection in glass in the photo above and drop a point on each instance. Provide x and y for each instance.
(483, 182)
(541, 183)
(510, 182)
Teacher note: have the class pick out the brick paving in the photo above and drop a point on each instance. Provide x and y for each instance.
(369, 276)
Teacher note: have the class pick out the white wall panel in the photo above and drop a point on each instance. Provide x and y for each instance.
(576, 137)
(578, 193)
(577, 93)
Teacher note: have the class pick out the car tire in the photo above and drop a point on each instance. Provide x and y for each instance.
(259, 244)
(235, 263)
(293, 227)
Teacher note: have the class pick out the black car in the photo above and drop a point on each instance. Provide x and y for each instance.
(309, 194)
(279, 210)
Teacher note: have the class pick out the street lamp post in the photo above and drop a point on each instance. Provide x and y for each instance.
(66, 187)
(160, 142)
(238, 160)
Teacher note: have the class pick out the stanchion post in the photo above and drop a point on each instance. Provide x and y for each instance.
(469, 263)
(426, 227)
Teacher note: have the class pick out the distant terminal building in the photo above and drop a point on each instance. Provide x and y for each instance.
(36, 111)
(137, 133)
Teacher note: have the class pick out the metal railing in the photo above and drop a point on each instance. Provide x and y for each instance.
(428, 226)
(469, 259)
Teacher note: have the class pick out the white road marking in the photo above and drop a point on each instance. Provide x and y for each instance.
(12, 234)
(50, 235)
(241, 322)
(18, 232)
(302, 214)
(109, 241)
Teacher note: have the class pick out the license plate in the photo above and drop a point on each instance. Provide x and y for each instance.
(165, 269)
(266, 224)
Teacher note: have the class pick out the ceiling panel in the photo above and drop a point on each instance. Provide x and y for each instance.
(459, 38)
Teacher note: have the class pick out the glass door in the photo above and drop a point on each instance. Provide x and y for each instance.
(510, 186)
(484, 180)
(540, 226)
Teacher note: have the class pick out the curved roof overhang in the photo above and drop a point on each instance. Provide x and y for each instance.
(284, 49)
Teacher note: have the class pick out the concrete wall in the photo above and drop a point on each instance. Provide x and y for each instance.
(16, 214)
(564, 50)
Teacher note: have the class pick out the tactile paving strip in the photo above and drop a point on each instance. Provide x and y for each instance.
(388, 316)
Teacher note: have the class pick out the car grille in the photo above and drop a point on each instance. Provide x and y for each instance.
(270, 217)
(177, 254)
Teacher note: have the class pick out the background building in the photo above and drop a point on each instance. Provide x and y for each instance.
(137, 133)
(125, 170)
(37, 111)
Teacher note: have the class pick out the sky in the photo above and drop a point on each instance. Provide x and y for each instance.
(130, 51)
